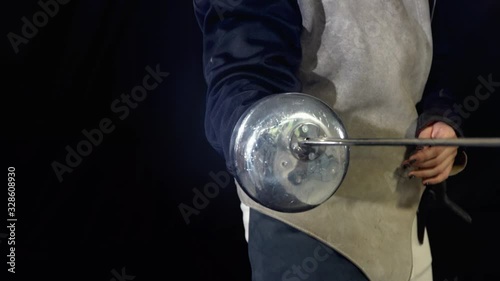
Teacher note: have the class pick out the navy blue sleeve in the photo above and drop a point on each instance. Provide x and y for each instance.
(438, 100)
(251, 49)
(437, 104)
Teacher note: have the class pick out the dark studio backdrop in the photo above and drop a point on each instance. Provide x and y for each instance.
(113, 213)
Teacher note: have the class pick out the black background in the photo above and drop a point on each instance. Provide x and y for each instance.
(119, 208)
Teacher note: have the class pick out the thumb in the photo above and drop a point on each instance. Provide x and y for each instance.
(436, 131)
(426, 133)
(442, 130)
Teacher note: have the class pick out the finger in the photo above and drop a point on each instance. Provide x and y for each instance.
(424, 155)
(442, 130)
(432, 172)
(425, 133)
(429, 163)
(442, 155)
(439, 178)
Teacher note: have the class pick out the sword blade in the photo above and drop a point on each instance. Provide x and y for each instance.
(477, 142)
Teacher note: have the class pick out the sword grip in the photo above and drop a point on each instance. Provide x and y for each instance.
(441, 195)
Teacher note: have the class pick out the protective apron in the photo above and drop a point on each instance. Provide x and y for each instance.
(369, 60)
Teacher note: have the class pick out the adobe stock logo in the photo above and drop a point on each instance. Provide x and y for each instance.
(471, 103)
(121, 107)
(123, 276)
(309, 265)
(49, 9)
(201, 199)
